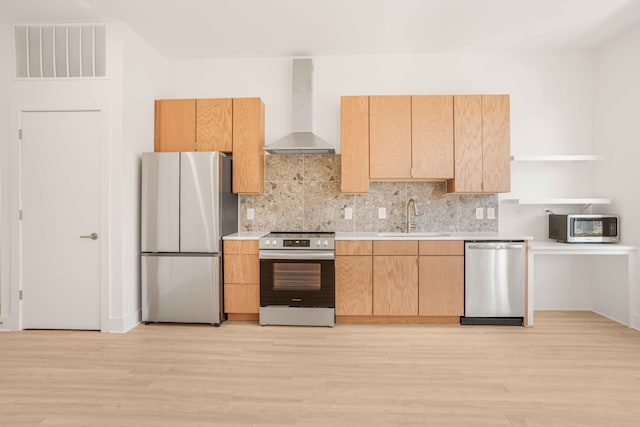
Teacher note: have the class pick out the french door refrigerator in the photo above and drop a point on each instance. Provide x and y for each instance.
(187, 206)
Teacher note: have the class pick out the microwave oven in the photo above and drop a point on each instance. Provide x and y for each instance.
(584, 228)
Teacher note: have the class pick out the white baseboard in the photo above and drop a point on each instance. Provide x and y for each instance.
(561, 303)
(624, 322)
(125, 324)
(635, 322)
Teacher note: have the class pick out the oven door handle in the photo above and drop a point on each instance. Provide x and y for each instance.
(298, 255)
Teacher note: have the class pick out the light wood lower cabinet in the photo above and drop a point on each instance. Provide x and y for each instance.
(395, 278)
(354, 286)
(441, 287)
(241, 279)
(400, 281)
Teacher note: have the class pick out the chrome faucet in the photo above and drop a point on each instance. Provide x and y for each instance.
(410, 225)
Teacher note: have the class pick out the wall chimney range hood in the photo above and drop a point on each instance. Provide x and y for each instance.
(301, 140)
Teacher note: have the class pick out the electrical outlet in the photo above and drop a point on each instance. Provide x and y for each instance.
(348, 213)
(479, 213)
(491, 213)
(250, 214)
(382, 213)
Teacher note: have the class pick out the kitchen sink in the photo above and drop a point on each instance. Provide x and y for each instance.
(414, 234)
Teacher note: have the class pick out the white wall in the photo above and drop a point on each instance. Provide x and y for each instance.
(617, 134)
(136, 76)
(551, 103)
(145, 79)
(5, 176)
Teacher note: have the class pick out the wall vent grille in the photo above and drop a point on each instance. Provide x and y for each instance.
(60, 51)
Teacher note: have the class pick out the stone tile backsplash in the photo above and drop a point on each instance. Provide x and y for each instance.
(302, 193)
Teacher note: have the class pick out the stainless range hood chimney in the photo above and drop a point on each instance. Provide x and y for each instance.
(301, 140)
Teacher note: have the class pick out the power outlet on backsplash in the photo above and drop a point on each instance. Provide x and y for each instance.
(348, 213)
(491, 213)
(479, 213)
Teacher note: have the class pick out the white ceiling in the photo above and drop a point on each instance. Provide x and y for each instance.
(253, 28)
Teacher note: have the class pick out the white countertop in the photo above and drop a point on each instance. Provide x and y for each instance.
(550, 246)
(419, 236)
(246, 235)
(255, 235)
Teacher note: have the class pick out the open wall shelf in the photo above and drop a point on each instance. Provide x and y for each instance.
(559, 201)
(556, 158)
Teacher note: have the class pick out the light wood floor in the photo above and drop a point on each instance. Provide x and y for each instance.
(571, 369)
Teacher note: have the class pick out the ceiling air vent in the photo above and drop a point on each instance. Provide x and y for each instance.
(60, 51)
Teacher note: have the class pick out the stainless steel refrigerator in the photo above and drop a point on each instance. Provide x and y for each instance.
(187, 206)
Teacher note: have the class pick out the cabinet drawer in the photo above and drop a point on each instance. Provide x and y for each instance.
(243, 247)
(353, 247)
(441, 247)
(241, 269)
(395, 247)
(241, 298)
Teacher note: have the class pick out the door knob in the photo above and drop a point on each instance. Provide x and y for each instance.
(92, 236)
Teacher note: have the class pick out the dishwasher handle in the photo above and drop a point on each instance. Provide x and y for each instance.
(496, 246)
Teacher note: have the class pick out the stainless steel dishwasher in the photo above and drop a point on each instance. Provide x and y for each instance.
(494, 282)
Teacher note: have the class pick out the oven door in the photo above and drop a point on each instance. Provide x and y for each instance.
(297, 278)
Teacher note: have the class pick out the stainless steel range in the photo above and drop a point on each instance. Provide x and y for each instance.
(297, 279)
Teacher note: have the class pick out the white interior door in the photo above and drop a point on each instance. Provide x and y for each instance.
(60, 195)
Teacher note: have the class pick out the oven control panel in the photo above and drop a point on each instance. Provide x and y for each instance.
(314, 243)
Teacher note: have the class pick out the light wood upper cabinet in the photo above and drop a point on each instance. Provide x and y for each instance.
(432, 137)
(175, 125)
(354, 131)
(496, 153)
(248, 145)
(214, 124)
(482, 159)
(390, 137)
(229, 125)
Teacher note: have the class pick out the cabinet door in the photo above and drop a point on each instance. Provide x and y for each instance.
(441, 286)
(496, 155)
(354, 131)
(241, 277)
(241, 269)
(354, 287)
(175, 125)
(467, 122)
(248, 145)
(432, 136)
(241, 298)
(213, 124)
(390, 137)
(395, 285)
